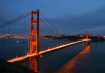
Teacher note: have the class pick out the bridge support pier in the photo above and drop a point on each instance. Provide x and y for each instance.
(34, 40)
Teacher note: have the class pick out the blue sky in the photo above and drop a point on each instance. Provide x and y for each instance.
(69, 16)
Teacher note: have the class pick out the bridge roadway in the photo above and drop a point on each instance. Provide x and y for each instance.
(18, 59)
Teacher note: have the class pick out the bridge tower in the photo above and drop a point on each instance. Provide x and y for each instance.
(86, 43)
(34, 40)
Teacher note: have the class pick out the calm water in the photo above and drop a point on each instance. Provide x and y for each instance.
(72, 59)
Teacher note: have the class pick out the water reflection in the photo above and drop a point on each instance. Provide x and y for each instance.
(70, 65)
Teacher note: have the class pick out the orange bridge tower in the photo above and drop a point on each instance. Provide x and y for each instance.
(34, 40)
(86, 43)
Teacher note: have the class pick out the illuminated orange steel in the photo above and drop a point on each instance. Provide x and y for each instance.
(34, 40)
(86, 43)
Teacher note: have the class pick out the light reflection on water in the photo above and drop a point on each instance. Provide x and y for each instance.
(70, 65)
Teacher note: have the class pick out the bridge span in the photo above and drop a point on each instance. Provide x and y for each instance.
(46, 51)
(33, 36)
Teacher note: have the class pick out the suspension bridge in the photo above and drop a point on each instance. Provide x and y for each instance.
(12, 30)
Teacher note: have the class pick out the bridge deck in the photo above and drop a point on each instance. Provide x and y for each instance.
(45, 51)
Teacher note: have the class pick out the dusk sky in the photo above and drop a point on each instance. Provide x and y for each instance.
(69, 16)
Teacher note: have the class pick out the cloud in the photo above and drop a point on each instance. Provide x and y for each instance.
(92, 21)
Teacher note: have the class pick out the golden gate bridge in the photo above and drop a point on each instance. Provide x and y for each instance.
(8, 31)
